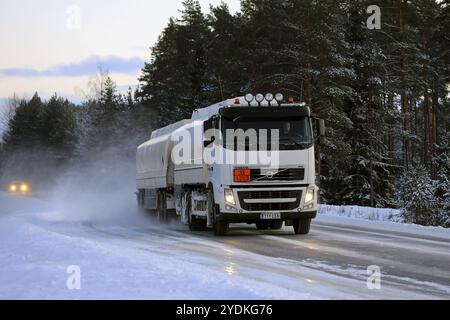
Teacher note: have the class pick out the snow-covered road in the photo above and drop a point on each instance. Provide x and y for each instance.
(140, 260)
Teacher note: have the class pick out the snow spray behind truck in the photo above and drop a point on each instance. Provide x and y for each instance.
(243, 160)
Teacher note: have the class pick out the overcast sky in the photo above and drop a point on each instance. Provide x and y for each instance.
(55, 45)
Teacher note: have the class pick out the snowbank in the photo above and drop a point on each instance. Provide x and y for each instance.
(367, 213)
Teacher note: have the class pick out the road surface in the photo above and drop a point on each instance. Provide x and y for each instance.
(412, 265)
(147, 260)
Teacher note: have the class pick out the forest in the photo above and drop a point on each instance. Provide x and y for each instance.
(384, 94)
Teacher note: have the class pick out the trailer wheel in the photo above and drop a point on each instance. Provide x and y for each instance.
(161, 206)
(220, 228)
(140, 199)
(302, 226)
(195, 224)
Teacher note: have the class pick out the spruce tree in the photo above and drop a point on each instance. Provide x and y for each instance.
(416, 195)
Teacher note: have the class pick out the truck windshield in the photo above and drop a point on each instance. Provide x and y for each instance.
(294, 134)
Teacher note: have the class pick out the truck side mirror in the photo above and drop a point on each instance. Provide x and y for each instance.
(207, 143)
(207, 126)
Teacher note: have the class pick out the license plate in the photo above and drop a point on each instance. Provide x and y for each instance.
(270, 216)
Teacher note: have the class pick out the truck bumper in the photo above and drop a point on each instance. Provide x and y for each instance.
(254, 217)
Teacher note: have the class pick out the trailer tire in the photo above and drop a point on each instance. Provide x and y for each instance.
(161, 210)
(140, 199)
(302, 226)
(195, 224)
(220, 228)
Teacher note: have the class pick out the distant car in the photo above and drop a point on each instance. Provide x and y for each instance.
(19, 187)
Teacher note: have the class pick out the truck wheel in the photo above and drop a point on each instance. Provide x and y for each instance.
(195, 224)
(301, 226)
(276, 225)
(220, 228)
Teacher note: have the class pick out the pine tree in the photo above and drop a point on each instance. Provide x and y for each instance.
(416, 195)
(370, 180)
(441, 164)
(174, 82)
(25, 128)
(59, 134)
(129, 98)
(109, 97)
(228, 75)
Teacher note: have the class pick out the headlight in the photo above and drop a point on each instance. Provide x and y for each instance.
(249, 97)
(229, 197)
(309, 195)
(279, 97)
(259, 98)
(269, 97)
(24, 187)
(13, 188)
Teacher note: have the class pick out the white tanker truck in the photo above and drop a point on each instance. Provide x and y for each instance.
(243, 160)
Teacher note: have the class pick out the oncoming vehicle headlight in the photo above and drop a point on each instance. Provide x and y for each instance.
(24, 187)
(309, 195)
(13, 188)
(229, 197)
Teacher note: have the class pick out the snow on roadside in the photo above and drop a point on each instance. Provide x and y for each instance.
(367, 213)
(376, 218)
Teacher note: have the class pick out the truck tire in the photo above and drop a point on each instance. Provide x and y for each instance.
(220, 228)
(302, 226)
(195, 224)
(276, 225)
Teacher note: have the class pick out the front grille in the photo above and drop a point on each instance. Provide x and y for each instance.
(270, 194)
(289, 174)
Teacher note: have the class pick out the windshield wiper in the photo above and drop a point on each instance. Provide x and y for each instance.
(295, 142)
